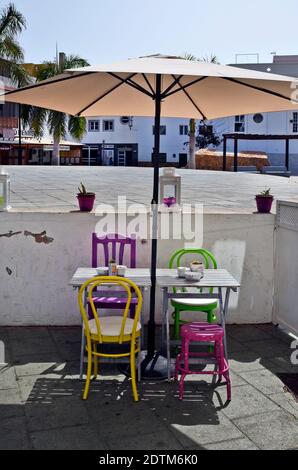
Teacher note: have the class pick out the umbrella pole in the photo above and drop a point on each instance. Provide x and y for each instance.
(154, 206)
(154, 364)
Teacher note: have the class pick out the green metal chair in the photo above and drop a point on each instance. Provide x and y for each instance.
(187, 304)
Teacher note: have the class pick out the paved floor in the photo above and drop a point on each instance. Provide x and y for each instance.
(41, 406)
(53, 189)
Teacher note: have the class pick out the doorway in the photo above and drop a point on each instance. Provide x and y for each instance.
(108, 157)
(182, 160)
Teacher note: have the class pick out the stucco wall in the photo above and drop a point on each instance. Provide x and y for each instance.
(34, 275)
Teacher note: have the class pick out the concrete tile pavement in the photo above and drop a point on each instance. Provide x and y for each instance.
(39, 188)
(41, 405)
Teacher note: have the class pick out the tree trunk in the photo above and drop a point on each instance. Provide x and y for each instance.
(192, 145)
(56, 152)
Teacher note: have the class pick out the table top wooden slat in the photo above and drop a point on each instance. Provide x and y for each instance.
(165, 278)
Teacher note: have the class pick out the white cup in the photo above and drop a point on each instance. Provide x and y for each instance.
(102, 271)
(121, 270)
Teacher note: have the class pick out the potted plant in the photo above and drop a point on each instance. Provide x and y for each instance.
(169, 201)
(264, 201)
(86, 199)
(196, 266)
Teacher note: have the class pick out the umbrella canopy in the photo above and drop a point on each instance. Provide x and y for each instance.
(160, 86)
(189, 89)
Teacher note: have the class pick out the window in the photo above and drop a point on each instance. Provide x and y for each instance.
(239, 123)
(295, 122)
(183, 129)
(93, 126)
(108, 125)
(8, 110)
(205, 129)
(163, 130)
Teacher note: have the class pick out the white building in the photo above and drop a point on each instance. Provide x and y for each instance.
(284, 123)
(129, 141)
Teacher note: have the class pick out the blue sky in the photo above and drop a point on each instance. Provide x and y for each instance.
(107, 30)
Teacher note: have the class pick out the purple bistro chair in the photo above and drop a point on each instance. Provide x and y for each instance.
(113, 246)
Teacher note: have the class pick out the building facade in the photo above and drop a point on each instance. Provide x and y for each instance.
(128, 141)
(265, 123)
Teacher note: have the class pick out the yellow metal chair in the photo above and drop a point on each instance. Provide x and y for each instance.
(119, 329)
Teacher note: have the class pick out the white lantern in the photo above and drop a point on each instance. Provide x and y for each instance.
(170, 187)
(4, 190)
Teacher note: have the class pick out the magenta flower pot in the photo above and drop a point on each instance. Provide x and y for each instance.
(264, 203)
(86, 202)
(169, 201)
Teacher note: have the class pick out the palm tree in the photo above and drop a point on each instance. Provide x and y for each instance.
(192, 122)
(12, 23)
(58, 124)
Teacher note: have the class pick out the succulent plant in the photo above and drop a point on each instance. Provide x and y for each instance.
(266, 192)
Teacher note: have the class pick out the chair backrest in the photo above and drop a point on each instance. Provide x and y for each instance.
(208, 258)
(113, 246)
(86, 290)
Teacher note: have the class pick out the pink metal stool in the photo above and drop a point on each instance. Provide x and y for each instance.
(202, 332)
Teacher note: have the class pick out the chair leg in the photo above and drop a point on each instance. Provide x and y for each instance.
(139, 362)
(229, 394)
(176, 323)
(181, 386)
(177, 366)
(89, 370)
(95, 361)
(133, 371)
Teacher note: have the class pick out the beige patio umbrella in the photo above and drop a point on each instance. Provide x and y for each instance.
(188, 90)
(160, 86)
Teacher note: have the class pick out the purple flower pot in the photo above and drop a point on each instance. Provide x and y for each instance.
(264, 203)
(169, 201)
(86, 202)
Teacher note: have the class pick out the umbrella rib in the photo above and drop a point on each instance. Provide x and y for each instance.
(183, 87)
(192, 101)
(254, 87)
(164, 93)
(148, 83)
(104, 95)
(52, 82)
(133, 84)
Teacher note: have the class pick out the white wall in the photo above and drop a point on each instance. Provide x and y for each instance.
(273, 123)
(141, 133)
(173, 143)
(286, 268)
(34, 276)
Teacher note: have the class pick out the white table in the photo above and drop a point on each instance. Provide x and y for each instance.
(140, 276)
(219, 279)
(167, 279)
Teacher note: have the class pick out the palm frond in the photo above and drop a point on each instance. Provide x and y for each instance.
(77, 127)
(73, 61)
(212, 59)
(37, 119)
(46, 70)
(57, 124)
(12, 22)
(189, 56)
(15, 71)
(11, 49)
